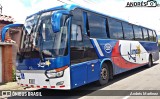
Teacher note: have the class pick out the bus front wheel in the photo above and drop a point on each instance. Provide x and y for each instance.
(104, 75)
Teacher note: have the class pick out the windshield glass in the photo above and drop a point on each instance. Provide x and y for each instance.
(52, 44)
(39, 39)
(28, 33)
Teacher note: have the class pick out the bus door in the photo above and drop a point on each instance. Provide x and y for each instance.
(84, 61)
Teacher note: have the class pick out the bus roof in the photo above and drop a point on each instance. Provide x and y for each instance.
(70, 7)
(62, 7)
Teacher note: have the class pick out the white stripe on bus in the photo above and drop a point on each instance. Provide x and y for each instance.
(98, 47)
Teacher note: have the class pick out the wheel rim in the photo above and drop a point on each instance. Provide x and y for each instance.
(104, 74)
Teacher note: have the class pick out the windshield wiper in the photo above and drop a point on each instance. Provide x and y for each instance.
(41, 50)
(41, 56)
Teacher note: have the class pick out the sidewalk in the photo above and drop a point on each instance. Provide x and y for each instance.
(11, 86)
(14, 86)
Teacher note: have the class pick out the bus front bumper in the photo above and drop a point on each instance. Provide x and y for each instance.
(38, 79)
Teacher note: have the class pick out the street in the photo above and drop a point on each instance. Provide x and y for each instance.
(138, 79)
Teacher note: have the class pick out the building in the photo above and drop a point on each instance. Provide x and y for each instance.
(7, 50)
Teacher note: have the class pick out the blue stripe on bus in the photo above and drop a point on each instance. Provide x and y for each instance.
(147, 46)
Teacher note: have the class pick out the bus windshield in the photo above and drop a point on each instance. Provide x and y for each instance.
(39, 40)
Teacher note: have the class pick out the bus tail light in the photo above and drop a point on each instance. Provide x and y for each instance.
(56, 73)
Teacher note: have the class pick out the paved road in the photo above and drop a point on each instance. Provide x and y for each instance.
(138, 79)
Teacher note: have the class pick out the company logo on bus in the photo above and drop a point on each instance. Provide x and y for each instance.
(43, 64)
(108, 48)
(134, 52)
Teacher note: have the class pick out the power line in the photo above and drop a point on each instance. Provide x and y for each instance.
(62, 1)
(88, 1)
(75, 2)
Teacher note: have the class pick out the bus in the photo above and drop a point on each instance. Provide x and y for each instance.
(68, 46)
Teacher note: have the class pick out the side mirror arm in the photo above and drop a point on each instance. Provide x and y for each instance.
(5, 29)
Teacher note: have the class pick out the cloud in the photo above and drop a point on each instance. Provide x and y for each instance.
(15, 9)
(20, 9)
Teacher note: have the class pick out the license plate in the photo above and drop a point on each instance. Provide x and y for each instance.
(31, 81)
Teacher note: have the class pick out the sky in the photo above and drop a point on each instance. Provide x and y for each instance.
(145, 16)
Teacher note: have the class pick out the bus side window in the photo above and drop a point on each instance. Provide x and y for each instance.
(85, 24)
(137, 33)
(115, 29)
(154, 36)
(97, 26)
(128, 31)
(76, 33)
(76, 44)
(150, 35)
(145, 34)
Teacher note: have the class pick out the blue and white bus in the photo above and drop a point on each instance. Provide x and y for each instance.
(69, 46)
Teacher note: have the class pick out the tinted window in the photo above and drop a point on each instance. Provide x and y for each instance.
(81, 48)
(128, 31)
(77, 17)
(138, 33)
(150, 35)
(115, 29)
(145, 34)
(97, 26)
(82, 51)
(154, 36)
(76, 33)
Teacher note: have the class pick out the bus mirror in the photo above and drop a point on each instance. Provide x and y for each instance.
(56, 22)
(5, 29)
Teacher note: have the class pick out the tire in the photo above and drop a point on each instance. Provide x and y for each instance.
(150, 62)
(104, 75)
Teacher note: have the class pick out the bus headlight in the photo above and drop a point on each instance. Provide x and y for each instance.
(56, 73)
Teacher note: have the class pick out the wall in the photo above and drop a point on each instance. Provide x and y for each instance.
(2, 25)
(7, 63)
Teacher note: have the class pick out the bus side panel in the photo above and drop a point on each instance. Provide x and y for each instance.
(116, 68)
(133, 52)
(155, 56)
(152, 47)
(78, 75)
(93, 70)
(84, 73)
(119, 51)
(127, 55)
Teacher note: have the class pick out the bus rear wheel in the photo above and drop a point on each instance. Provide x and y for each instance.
(150, 62)
(104, 75)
